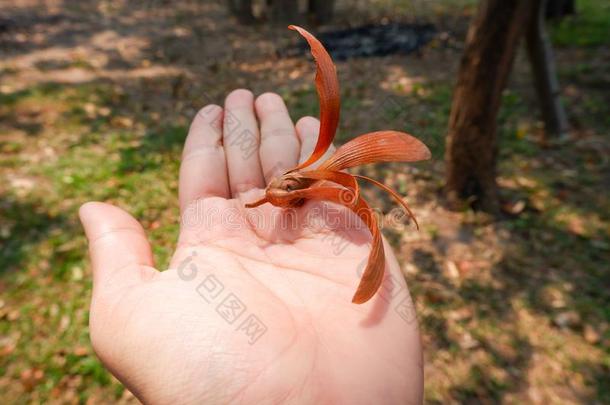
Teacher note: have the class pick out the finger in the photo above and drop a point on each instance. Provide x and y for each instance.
(119, 251)
(203, 170)
(307, 130)
(279, 149)
(241, 143)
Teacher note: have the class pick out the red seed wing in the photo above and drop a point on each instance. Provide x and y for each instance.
(344, 179)
(327, 86)
(380, 146)
(375, 266)
(394, 195)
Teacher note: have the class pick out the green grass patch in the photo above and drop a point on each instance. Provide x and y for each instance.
(589, 27)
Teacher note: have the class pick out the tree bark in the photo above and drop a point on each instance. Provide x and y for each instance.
(242, 9)
(471, 148)
(540, 55)
(321, 10)
(284, 11)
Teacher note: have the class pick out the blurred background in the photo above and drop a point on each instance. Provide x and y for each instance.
(510, 270)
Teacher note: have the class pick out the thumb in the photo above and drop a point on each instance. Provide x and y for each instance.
(119, 251)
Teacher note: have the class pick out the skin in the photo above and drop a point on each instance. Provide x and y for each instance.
(160, 333)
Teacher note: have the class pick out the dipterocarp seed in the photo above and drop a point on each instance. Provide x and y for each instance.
(299, 184)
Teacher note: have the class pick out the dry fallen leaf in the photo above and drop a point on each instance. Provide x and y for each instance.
(567, 319)
(81, 351)
(514, 208)
(30, 378)
(590, 334)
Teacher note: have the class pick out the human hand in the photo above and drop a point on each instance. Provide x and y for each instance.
(256, 306)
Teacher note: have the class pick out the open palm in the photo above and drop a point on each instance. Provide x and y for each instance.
(256, 306)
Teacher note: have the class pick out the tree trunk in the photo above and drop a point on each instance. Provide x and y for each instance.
(242, 9)
(540, 54)
(284, 11)
(471, 139)
(321, 10)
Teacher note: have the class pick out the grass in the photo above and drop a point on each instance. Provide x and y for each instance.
(45, 277)
(589, 27)
(527, 314)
